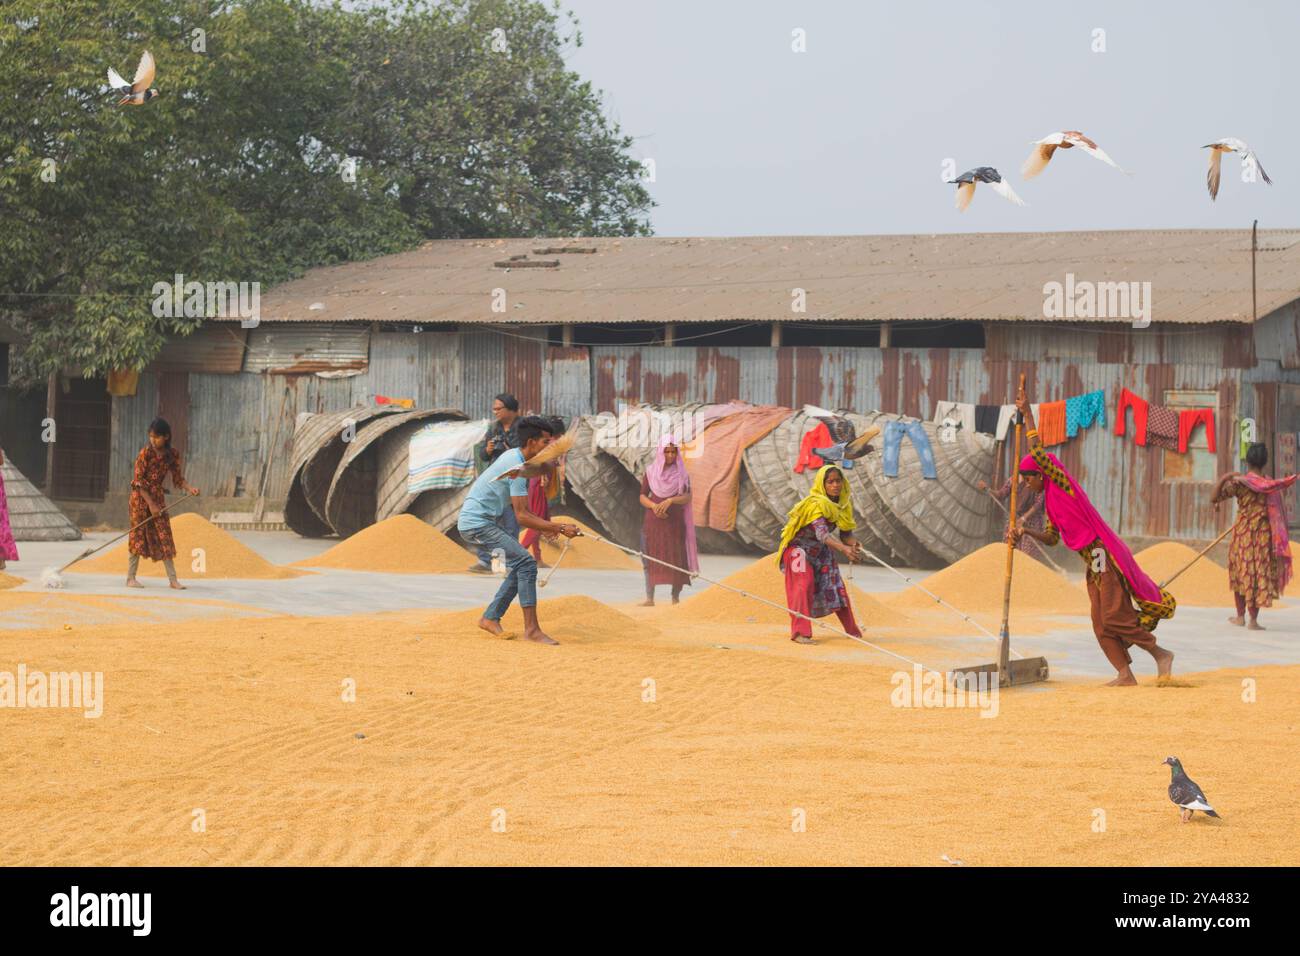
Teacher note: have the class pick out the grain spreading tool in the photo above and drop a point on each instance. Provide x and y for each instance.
(53, 577)
(1202, 553)
(1023, 670)
(551, 569)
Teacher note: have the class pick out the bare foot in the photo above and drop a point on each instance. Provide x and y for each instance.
(1255, 626)
(177, 586)
(491, 626)
(802, 639)
(133, 583)
(1124, 678)
(538, 636)
(1164, 661)
(676, 599)
(649, 602)
(1237, 620)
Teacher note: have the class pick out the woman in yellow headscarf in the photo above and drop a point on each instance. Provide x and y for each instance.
(817, 528)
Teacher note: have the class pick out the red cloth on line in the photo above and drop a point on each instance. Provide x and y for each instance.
(1139, 405)
(799, 585)
(819, 437)
(1188, 419)
(539, 506)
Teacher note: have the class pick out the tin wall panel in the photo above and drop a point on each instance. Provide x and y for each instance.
(214, 347)
(566, 382)
(482, 364)
(129, 424)
(303, 348)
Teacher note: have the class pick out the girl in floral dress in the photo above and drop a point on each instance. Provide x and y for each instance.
(1259, 558)
(153, 539)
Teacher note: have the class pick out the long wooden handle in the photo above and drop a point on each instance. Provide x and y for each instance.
(1004, 643)
(1198, 557)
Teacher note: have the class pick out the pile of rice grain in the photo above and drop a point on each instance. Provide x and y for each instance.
(9, 581)
(402, 544)
(1204, 584)
(764, 579)
(574, 618)
(587, 552)
(975, 585)
(223, 556)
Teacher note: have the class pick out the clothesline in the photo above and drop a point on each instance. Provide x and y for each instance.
(1061, 420)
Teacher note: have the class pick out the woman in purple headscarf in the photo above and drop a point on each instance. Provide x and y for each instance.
(668, 530)
(1126, 604)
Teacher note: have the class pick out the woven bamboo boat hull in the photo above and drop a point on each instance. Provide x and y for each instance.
(908, 520)
(440, 507)
(394, 461)
(32, 516)
(949, 517)
(318, 446)
(608, 489)
(352, 501)
(755, 522)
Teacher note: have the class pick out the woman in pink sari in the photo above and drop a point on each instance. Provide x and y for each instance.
(668, 529)
(8, 550)
(1126, 604)
(1259, 558)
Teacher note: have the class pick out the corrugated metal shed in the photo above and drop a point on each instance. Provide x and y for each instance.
(307, 347)
(1197, 276)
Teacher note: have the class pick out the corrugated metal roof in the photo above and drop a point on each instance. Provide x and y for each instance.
(308, 347)
(1196, 276)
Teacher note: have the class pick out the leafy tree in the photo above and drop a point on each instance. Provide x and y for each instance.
(234, 172)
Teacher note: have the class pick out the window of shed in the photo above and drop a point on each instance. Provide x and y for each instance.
(1199, 464)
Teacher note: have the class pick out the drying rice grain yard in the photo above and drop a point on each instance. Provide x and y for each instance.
(318, 728)
(444, 437)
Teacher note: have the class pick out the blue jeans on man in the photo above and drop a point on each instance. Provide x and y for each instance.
(508, 523)
(521, 576)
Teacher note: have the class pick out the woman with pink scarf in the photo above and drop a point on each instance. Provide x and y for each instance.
(668, 530)
(1126, 604)
(1259, 558)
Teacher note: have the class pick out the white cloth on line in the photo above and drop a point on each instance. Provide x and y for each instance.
(963, 412)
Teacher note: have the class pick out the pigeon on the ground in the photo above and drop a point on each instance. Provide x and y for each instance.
(1229, 144)
(1184, 792)
(982, 174)
(1066, 139)
(139, 91)
(849, 450)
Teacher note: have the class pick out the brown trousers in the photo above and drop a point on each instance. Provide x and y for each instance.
(1114, 619)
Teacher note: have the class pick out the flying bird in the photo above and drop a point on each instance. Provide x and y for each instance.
(982, 174)
(1229, 144)
(1066, 139)
(1185, 793)
(140, 90)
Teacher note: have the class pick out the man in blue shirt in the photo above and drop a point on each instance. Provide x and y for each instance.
(488, 499)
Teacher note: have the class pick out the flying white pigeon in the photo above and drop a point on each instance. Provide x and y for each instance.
(1185, 794)
(139, 91)
(982, 174)
(1230, 144)
(1066, 139)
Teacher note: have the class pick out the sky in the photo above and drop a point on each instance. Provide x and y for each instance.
(851, 137)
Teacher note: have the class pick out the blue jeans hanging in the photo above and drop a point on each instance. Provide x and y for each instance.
(894, 432)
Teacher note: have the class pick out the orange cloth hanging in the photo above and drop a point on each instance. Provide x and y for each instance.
(1051, 423)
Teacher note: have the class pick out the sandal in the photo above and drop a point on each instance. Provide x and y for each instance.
(802, 639)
